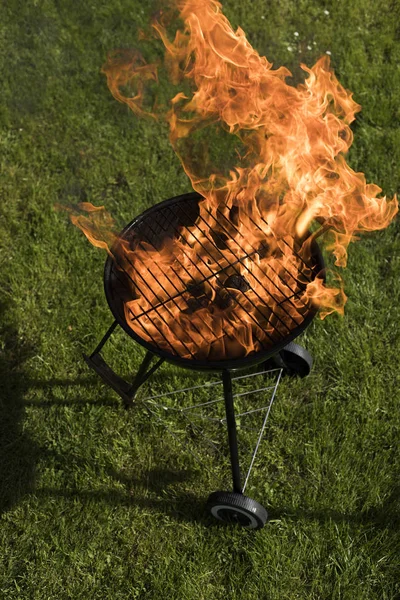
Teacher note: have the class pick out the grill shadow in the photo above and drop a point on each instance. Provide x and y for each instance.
(155, 489)
(188, 507)
(108, 399)
(158, 490)
(18, 453)
(386, 516)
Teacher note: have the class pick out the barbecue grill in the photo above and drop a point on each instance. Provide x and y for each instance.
(190, 318)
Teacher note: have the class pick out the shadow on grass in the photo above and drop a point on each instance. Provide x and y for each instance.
(18, 454)
(155, 490)
(386, 516)
(190, 508)
(49, 385)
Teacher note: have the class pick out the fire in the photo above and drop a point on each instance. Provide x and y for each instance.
(97, 226)
(227, 313)
(292, 178)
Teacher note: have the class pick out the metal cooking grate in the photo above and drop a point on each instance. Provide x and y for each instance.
(178, 220)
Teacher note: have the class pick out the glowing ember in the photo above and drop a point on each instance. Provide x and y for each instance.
(293, 177)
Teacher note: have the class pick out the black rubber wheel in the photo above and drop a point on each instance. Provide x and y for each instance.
(293, 359)
(297, 360)
(234, 508)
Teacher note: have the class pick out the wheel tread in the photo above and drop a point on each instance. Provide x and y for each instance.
(234, 499)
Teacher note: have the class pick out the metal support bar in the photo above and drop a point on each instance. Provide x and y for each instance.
(109, 331)
(232, 436)
(262, 429)
(144, 373)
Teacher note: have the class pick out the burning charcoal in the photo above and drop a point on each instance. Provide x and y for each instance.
(196, 289)
(237, 282)
(234, 215)
(202, 301)
(267, 249)
(332, 175)
(219, 239)
(194, 304)
(222, 300)
(263, 250)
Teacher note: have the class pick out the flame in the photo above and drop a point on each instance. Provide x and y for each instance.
(126, 69)
(97, 226)
(292, 177)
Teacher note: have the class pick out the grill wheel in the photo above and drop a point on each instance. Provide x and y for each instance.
(293, 359)
(233, 507)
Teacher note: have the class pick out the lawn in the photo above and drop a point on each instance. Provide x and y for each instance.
(101, 503)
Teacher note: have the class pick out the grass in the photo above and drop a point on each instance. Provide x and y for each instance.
(98, 503)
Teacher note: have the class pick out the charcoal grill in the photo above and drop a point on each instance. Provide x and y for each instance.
(180, 218)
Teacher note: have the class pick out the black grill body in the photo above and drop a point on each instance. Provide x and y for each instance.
(154, 226)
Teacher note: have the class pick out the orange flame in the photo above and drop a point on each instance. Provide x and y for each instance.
(126, 69)
(293, 176)
(97, 226)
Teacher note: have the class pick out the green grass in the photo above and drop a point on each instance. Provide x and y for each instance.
(99, 503)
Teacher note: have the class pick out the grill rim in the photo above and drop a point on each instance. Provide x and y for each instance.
(191, 363)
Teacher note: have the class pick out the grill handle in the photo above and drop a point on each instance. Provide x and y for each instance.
(118, 384)
(126, 390)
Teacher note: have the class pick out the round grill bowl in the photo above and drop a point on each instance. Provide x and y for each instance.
(156, 224)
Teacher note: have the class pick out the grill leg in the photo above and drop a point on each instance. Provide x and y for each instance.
(108, 333)
(232, 436)
(143, 374)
